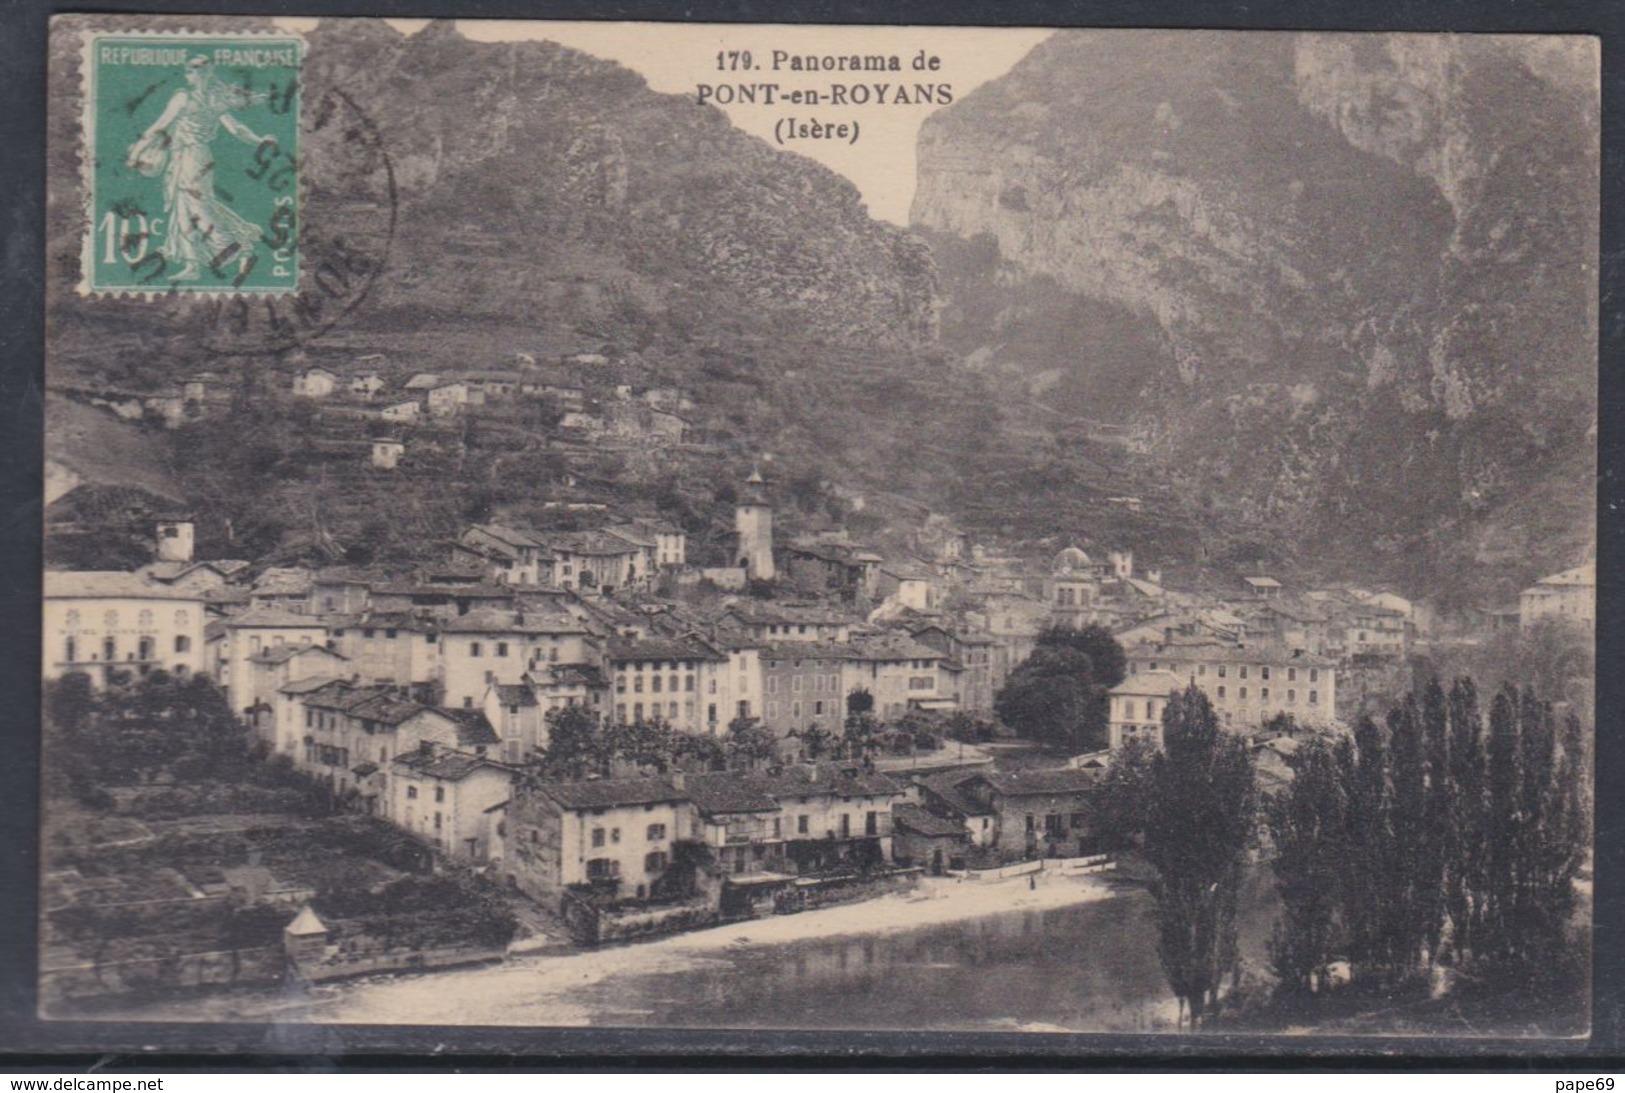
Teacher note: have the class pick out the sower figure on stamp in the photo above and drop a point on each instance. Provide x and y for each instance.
(199, 227)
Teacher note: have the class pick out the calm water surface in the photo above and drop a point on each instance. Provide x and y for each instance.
(1088, 966)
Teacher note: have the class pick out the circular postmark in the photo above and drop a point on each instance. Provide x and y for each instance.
(345, 230)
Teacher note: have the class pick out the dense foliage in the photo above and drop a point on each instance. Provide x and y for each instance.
(1199, 811)
(1058, 695)
(1433, 841)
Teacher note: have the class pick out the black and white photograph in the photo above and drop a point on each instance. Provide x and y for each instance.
(683, 526)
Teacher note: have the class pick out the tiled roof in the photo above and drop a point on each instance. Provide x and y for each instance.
(948, 788)
(730, 791)
(272, 618)
(611, 792)
(1579, 575)
(513, 694)
(107, 584)
(281, 654)
(307, 685)
(821, 779)
(473, 729)
(447, 766)
(493, 620)
(1017, 783)
(1155, 684)
(653, 648)
(918, 820)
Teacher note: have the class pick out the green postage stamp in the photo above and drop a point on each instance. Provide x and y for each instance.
(191, 163)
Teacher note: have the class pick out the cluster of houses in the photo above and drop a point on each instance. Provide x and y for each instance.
(418, 696)
(599, 410)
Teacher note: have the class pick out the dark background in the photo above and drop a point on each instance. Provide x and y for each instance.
(68, 1047)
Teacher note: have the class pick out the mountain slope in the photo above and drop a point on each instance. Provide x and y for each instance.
(1345, 284)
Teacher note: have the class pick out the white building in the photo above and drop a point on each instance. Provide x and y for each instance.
(236, 641)
(488, 646)
(99, 622)
(1247, 686)
(315, 382)
(1570, 595)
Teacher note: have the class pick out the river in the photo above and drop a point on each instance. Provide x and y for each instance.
(1073, 954)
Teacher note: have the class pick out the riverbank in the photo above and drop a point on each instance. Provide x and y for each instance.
(579, 988)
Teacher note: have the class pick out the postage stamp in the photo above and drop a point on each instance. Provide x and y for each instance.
(191, 153)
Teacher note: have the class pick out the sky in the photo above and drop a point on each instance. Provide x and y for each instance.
(676, 58)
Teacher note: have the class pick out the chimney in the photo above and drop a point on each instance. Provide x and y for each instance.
(679, 780)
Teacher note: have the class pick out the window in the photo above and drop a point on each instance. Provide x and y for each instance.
(795, 711)
(1242, 671)
(1291, 697)
(654, 684)
(1264, 672)
(654, 862)
(637, 684)
(772, 711)
(389, 633)
(603, 869)
(1291, 675)
(1150, 709)
(1221, 690)
(1314, 698)
(620, 711)
(1201, 669)
(473, 648)
(411, 793)
(818, 709)
(637, 711)
(437, 821)
(1224, 670)
(597, 837)
(672, 685)
(614, 834)
(144, 619)
(1128, 709)
(439, 795)
(109, 649)
(1243, 694)
(688, 683)
(801, 824)
(1314, 675)
(369, 632)
(846, 825)
(144, 649)
(795, 685)
(656, 833)
(502, 648)
(772, 685)
(69, 650)
(1264, 694)
(183, 644)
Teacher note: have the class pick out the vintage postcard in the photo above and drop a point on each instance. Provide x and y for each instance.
(760, 527)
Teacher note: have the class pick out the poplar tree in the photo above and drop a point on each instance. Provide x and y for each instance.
(1306, 824)
(1198, 827)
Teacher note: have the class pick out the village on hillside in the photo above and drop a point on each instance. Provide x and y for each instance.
(614, 740)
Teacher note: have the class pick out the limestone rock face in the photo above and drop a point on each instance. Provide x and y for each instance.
(1346, 283)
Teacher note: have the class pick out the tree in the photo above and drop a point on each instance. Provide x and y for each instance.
(574, 745)
(1121, 803)
(1058, 695)
(749, 743)
(1306, 822)
(1199, 824)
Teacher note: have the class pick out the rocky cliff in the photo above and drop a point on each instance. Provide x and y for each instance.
(1344, 284)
